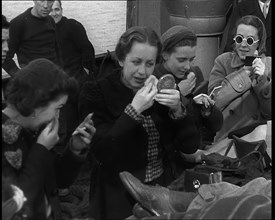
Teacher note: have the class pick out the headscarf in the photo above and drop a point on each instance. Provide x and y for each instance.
(174, 35)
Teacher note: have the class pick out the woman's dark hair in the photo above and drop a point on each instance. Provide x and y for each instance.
(5, 23)
(37, 84)
(259, 25)
(136, 34)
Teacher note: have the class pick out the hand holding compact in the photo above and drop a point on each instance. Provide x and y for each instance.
(170, 98)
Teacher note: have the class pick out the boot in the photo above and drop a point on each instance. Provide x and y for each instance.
(157, 200)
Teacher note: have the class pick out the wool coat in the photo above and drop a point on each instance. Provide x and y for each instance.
(121, 143)
(244, 100)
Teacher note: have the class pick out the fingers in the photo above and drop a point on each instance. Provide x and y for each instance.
(191, 76)
(151, 79)
(169, 97)
(258, 66)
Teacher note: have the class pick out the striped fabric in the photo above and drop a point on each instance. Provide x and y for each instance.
(154, 167)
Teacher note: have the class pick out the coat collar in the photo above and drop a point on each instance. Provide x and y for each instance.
(116, 95)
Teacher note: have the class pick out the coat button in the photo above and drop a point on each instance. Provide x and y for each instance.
(231, 111)
(240, 86)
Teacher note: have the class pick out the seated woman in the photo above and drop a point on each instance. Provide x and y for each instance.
(30, 131)
(179, 45)
(134, 124)
(245, 95)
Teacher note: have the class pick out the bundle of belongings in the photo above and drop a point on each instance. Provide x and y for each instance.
(219, 187)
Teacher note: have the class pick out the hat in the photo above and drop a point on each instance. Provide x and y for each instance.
(174, 35)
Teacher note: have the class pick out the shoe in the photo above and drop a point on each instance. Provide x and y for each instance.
(157, 200)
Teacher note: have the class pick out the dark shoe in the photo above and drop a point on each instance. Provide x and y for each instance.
(155, 199)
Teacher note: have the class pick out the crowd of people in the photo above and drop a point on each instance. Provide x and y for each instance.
(135, 133)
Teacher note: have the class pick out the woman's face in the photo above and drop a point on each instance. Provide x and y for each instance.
(46, 114)
(243, 49)
(138, 65)
(180, 60)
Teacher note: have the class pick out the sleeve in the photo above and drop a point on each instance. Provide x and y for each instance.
(16, 30)
(217, 74)
(214, 120)
(67, 167)
(263, 90)
(80, 38)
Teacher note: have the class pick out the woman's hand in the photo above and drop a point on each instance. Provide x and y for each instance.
(203, 99)
(49, 136)
(144, 97)
(170, 98)
(258, 66)
(186, 86)
(83, 134)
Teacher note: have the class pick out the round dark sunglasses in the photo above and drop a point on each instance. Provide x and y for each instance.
(250, 40)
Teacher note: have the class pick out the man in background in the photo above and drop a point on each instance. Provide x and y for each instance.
(32, 36)
(77, 51)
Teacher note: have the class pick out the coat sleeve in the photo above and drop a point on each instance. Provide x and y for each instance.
(81, 40)
(67, 167)
(263, 91)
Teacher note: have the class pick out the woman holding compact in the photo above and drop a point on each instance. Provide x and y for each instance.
(134, 124)
(245, 96)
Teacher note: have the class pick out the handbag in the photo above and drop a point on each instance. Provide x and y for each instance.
(216, 168)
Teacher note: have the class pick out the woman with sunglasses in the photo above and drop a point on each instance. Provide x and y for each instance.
(245, 95)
